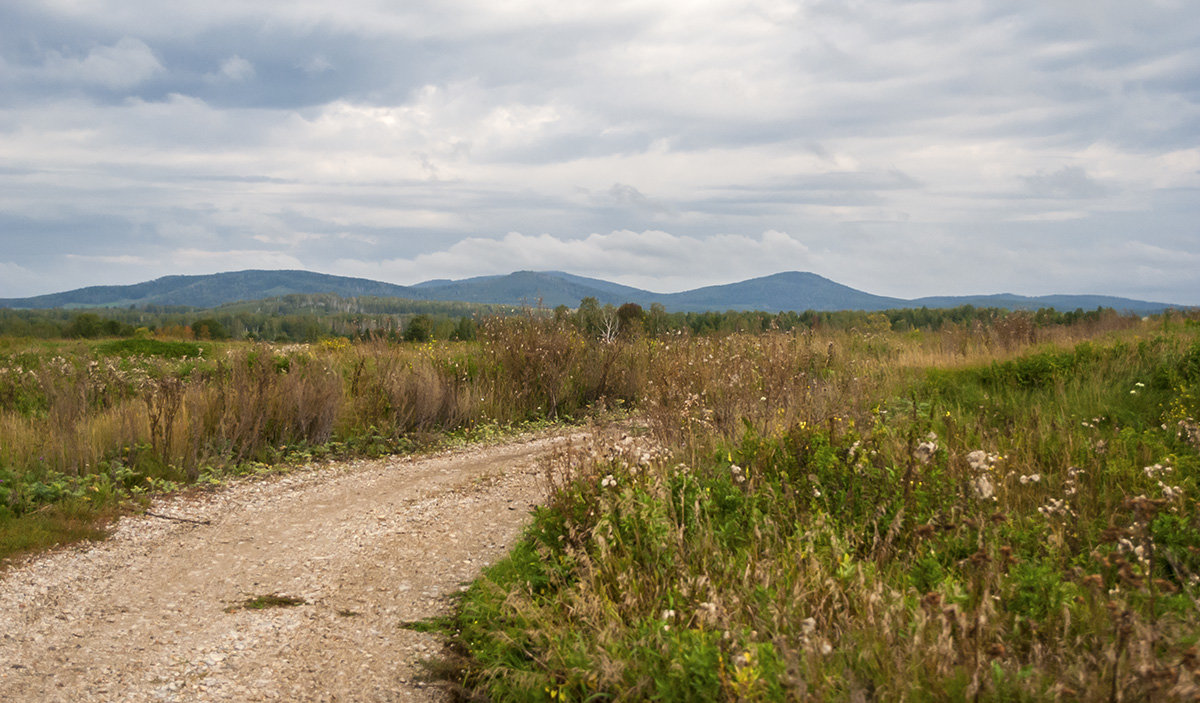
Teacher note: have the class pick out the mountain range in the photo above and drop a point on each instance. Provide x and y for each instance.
(792, 290)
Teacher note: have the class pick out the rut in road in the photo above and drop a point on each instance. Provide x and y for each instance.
(152, 613)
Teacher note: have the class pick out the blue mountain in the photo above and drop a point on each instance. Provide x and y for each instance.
(792, 290)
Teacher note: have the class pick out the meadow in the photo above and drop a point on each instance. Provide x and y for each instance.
(997, 513)
(987, 509)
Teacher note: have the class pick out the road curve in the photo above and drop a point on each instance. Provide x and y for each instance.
(153, 613)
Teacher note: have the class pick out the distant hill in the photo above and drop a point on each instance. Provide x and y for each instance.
(1011, 301)
(792, 290)
(549, 289)
(212, 290)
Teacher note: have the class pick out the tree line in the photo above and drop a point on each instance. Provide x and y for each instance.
(308, 318)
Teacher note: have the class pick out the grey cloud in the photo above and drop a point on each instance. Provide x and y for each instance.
(124, 64)
(1067, 182)
(626, 196)
(893, 179)
(784, 195)
(294, 65)
(32, 240)
(302, 130)
(235, 69)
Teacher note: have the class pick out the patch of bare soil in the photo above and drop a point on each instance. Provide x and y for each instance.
(293, 588)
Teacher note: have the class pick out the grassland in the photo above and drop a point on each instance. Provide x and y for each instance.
(989, 511)
(868, 517)
(86, 427)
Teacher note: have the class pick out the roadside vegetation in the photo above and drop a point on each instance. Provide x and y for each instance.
(1005, 513)
(86, 427)
(919, 505)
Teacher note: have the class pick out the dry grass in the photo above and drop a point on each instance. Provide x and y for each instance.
(784, 528)
(868, 516)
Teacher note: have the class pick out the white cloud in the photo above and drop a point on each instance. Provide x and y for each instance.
(290, 239)
(317, 65)
(18, 282)
(893, 142)
(118, 259)
(199, 261)
(657, 260)
(234, 69)
(1051, 216)
(1072, 182)
(125, 64)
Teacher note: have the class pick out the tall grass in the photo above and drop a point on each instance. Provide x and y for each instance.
(807, 519)
(139, 413)
(993, 512)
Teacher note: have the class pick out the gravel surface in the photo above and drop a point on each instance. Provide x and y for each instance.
(153, 613)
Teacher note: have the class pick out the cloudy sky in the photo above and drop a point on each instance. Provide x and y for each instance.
(901, 147)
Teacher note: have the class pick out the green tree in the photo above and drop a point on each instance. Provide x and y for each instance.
(419, 329)
(465, 331)
(630, 320)
(208, 328)
(656, 321)
(86, 325)
(588, 317)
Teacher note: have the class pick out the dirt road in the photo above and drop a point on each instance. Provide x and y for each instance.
(152, 614)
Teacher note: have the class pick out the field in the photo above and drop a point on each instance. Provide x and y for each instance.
(996, 510)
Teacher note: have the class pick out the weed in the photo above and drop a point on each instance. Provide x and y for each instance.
(269, 600)
(1012, 530)
(998, 509)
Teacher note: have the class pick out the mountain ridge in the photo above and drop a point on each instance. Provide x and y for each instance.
(788, 290)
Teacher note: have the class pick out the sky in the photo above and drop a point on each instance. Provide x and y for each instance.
(901, 147)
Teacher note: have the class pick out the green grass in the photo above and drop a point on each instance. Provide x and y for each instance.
(266, 601)
(53, 526)
(834, 564)
(149, 347)
(835, 516)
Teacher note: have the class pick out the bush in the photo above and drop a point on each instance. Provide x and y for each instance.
(419, 329)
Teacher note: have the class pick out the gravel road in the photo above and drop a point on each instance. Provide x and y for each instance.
(152, 614)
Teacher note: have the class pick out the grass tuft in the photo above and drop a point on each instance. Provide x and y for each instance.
(269, 600)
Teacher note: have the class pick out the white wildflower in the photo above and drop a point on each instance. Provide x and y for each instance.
(1054, 507)
(925, 451)
(983, 487)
